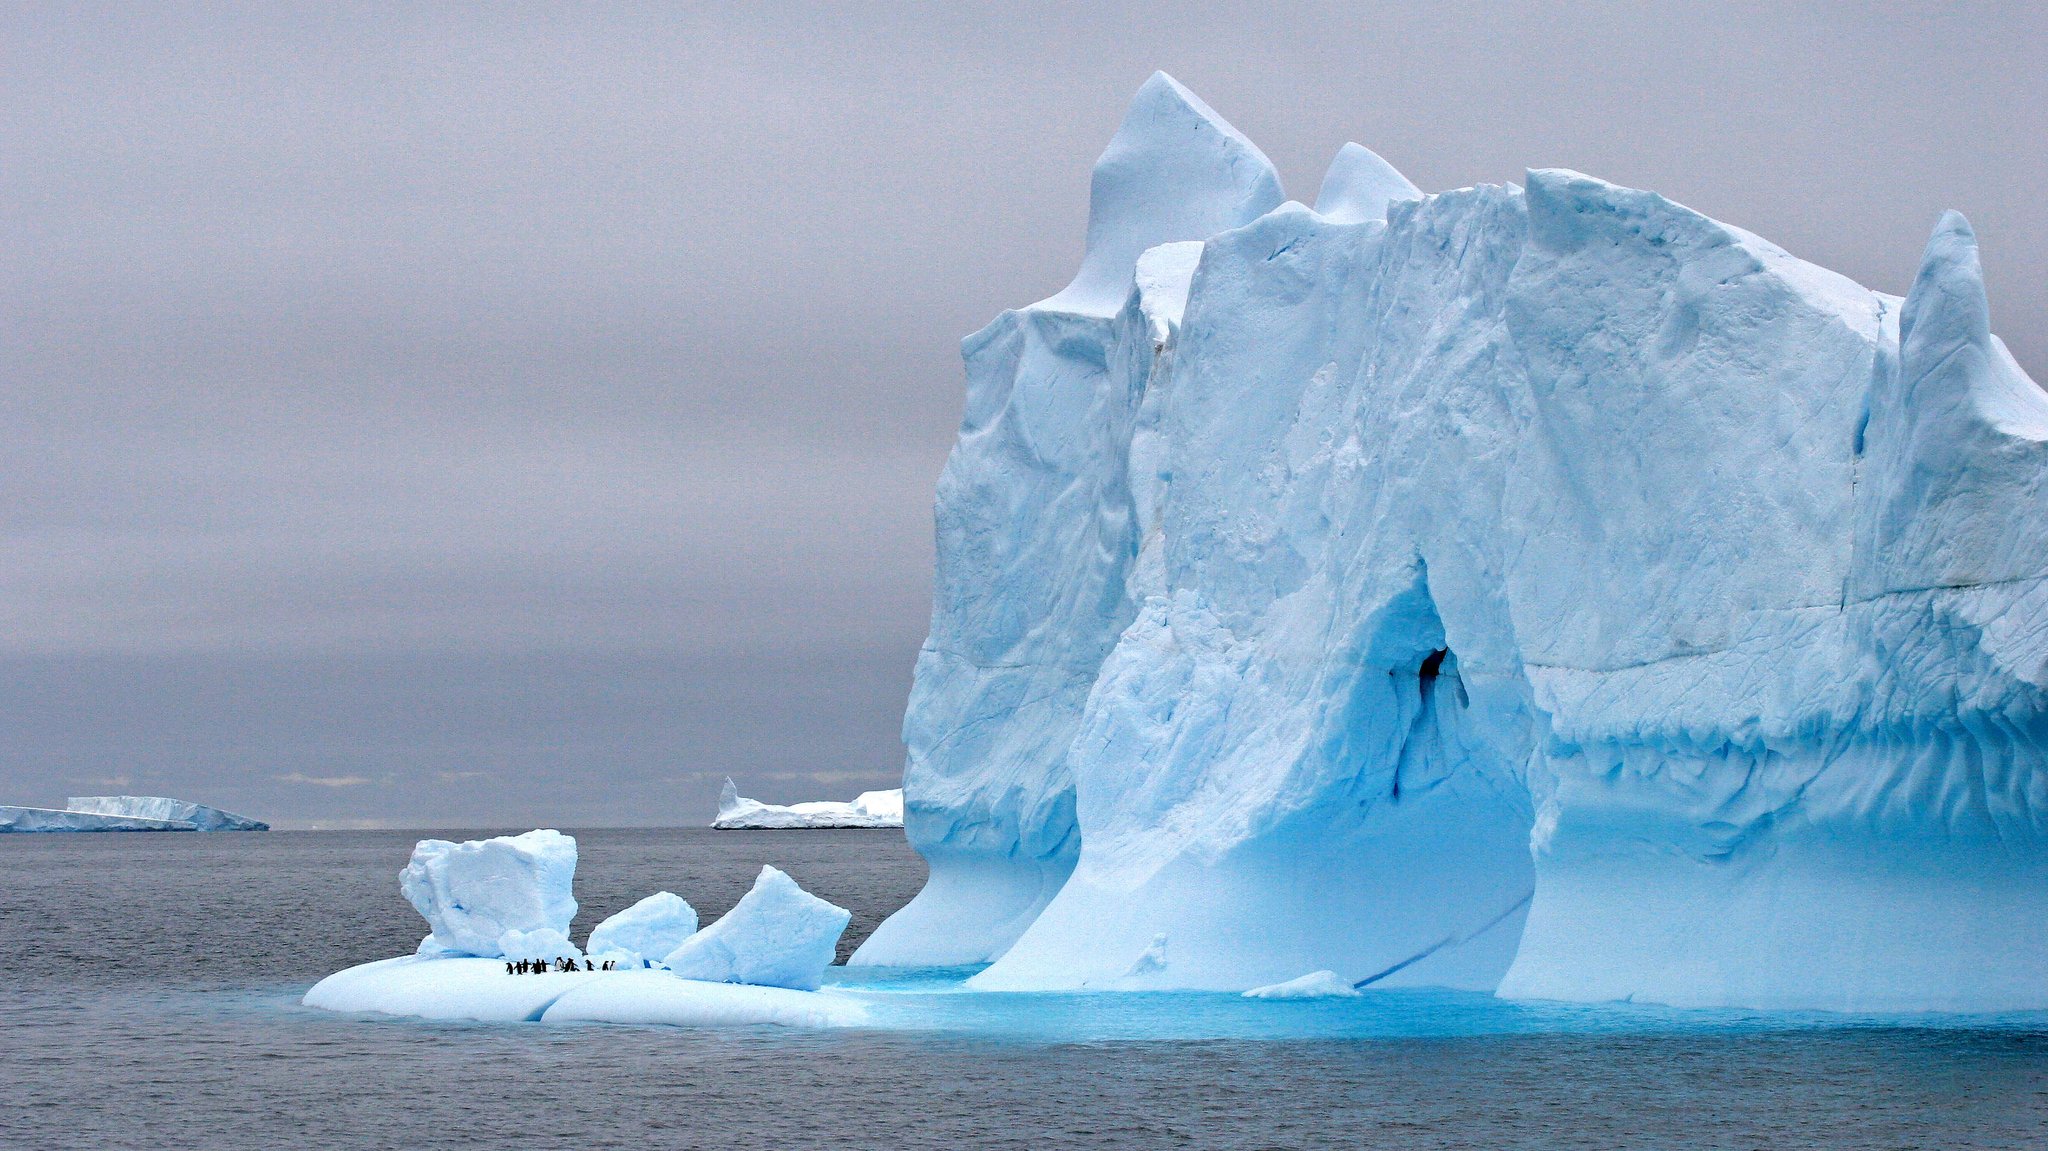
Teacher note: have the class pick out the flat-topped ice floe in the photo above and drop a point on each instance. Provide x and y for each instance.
(481, 990)
(869, 809)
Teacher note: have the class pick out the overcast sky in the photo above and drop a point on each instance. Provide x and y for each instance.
(511, 416)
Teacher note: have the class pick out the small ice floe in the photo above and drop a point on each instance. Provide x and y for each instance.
(1314, 985)
(500, 950)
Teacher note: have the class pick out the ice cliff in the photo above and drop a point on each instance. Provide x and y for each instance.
(1542, 588)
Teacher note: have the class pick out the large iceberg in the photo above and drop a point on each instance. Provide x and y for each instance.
(508, 895)
(200, 816)
(868, 809)
(1542, 588)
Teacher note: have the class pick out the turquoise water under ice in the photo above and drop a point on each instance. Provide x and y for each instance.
(151, 1000)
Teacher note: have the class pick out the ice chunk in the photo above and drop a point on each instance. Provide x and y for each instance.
(869, 809)
(540, 943)
(1314, 985)
(777, 935)
(648, 930)
(201, 817)
(473, 893)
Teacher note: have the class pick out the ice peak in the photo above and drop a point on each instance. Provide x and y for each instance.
(1174, 171)
(1946, 308)
(1359, 186)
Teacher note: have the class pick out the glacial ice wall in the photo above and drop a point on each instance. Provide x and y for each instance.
(1541, 588)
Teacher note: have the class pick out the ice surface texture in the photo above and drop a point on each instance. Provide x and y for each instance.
(868, 809)
(474, 894)
(777, 935)
(1546, 588)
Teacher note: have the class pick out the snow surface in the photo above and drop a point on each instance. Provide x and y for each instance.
(481, 990)
(777, 935)
(644, 932)
(37, 819)
(1314, 985)
(869, 809)
(1541, 588)
(201, 817)
(486, 897)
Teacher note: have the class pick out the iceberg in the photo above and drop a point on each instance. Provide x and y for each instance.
(644, 932)
(496, 902)
(505, 896)
(201, 817)
(125, 813)
(1539, 589)
(868, 809)
(777, 935)
(38, 819)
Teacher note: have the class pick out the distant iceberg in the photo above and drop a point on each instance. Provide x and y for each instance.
(35, 819)
(200, 816)
(125, 813)
(869, 809)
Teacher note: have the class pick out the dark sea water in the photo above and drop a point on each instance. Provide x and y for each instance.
(149, 999)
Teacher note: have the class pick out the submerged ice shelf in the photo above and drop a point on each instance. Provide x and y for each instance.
(1540, 588)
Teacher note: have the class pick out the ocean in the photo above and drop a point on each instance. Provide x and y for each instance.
(149, 989)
